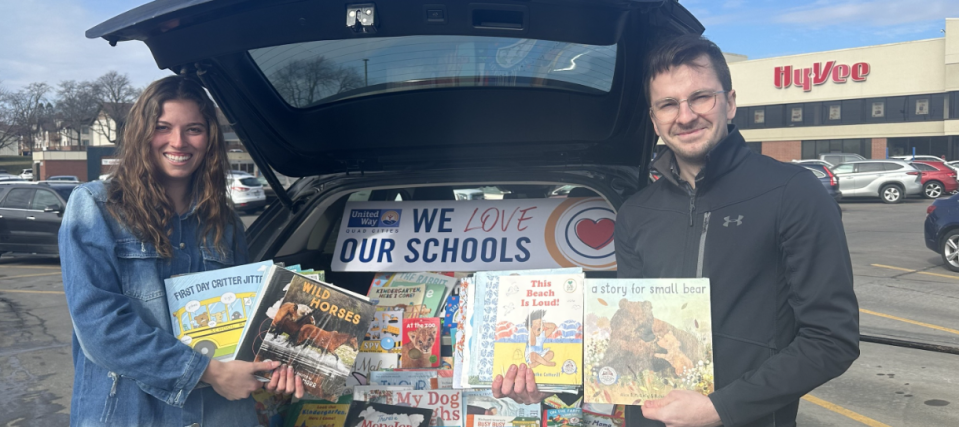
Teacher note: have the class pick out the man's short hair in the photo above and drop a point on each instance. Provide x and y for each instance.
(685, 50)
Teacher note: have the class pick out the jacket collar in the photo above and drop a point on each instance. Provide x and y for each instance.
(724, 157)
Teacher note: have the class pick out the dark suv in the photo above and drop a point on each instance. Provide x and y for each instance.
(30, 216)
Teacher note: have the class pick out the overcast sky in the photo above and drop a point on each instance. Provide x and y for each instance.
(43, 40)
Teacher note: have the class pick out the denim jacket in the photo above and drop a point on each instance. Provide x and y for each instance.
(129, 368)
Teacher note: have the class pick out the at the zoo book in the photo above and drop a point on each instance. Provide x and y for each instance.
(645, 338)
(316, 330)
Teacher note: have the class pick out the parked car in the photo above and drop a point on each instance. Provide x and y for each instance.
(30, 216)
(27, 174)
(71, 178)
(813, 162)
(246, 192)
(507, 117)
(840, 158)
(941, 230)
(469, 194)
(937, 179)
(890, 180)
(923, 157)
(5, 177)
(828, 181)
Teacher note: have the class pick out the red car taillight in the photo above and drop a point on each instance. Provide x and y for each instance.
(930, 209)
(912, 173)
(832, 178)
(240, 189)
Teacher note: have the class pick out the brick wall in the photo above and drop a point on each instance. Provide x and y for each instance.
(783, 151)
(64, 167)
(878, 148)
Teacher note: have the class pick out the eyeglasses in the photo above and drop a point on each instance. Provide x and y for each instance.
(701, 102)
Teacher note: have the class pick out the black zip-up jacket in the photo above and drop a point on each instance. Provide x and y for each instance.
(771, 241)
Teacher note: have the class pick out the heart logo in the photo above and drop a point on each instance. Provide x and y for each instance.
(595, 234)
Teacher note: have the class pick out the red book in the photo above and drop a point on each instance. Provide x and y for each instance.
(421, 343)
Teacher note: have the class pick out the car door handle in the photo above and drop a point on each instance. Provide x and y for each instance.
(32, 218)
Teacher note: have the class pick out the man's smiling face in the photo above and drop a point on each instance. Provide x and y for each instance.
(690, 135)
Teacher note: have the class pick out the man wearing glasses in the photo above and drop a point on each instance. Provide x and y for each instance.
(766, 234)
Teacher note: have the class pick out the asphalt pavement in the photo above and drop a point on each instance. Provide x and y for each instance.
(904, 293)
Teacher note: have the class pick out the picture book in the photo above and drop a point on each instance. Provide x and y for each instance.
(210, 309)
(270, 408)
(318, 275)
(447, 405)
(450, 313)
(317, 330)
(539, 321)
(318, 413)
(645, 338)
(370, 414)
(563, 417)
(482, 403)
(480, 327)
(367, 362)
(424, 379)
(438, 286)
(386, 332)
(459, 340)
(421, 343)
(379, 280)
(407, 298)
(275, 284)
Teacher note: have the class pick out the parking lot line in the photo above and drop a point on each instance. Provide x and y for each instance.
(843, 411)
(927, 325)
(29, 275)
(31, 292)
(948, 276)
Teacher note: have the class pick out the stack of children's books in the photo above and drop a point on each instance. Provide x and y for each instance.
(424, 349)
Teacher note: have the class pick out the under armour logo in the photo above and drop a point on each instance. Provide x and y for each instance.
(738, 221)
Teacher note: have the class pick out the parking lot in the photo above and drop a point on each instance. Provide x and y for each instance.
(904, 293)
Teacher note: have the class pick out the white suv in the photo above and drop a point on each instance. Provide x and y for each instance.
(890, 180)
(246, 192)
(27, 174)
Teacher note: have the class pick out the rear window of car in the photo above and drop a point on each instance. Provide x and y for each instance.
(892, 166)
(923, 167)
(64, 192)
(314, 73)
(870, 167)
(250, 182)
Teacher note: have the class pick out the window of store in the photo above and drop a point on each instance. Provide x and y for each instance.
(759, 116)
(833, 113)
(953, 105)
(934, 146)
(812, 149)
(852, 112)
(795, 115)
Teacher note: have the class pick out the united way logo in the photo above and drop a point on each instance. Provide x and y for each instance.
(390, 218)
(579, 233)
(373, 218)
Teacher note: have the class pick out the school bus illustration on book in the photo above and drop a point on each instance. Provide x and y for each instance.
(213, 327)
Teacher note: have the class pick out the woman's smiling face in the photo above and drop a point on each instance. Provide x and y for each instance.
(180, 141)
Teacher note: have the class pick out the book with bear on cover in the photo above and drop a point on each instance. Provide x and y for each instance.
(317, 331)
(539, 322)
(371, 414)
(447, 405)
(210, 309)
(421, 343)
(645, 338)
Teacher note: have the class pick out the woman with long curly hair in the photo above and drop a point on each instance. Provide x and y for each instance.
(163, 212)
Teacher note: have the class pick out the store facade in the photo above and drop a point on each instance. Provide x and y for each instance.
(876, 101)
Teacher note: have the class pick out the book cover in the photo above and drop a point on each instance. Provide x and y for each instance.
(367, 362)
(563, 417)
(480, 327)
(318, 413)
(438, 287)
(645, 338)
(447, 405)
(271, 409)
(379, 280)
(459, 339)
(482, 403)
(317, 330)
(450, 313)
(539, 321)
(417, 379)
(370, 414)
(386, 332)
(407, 298)
(210, 309)
(264, 309)
(421, 343)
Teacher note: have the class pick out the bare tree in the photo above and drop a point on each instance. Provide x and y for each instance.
(25, 113)
(76, 109)
(116, 95)
(8, 135)
(303, 82)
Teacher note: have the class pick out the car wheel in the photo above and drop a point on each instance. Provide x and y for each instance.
(205, 348)
(932, 190)
(890, 194)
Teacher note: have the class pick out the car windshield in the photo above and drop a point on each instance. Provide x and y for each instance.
(313, 73)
